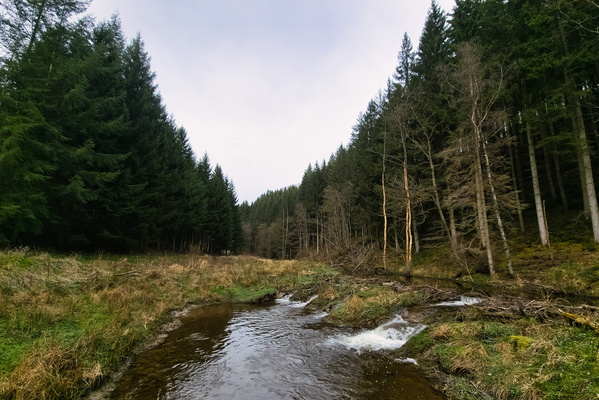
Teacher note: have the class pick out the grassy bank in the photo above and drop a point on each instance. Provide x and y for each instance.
(67, 322)
(519, 359)
(503, 348)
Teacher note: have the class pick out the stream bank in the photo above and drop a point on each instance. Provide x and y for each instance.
(495, 347)
(503, 347)
(69, 322)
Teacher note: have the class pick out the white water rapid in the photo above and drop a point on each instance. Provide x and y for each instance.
(390, 335)
(463, 301)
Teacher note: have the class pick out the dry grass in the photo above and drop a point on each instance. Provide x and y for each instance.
(354, 304)
(470, 359)
(66, 322)
(442, 332)
(328, 292)
(42, 373)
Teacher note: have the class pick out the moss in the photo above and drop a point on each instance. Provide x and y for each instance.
(491, 332)
(418, 344)
(520, 342)
(510, 360)
(446, 353)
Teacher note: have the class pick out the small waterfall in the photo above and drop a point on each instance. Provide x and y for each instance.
(273, 352)
(390, 335)
(286, 300)
(463, 301)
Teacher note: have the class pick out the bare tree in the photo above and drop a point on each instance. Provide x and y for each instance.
(337, 214)
(23, 21)
(385, 222)
(478, 89)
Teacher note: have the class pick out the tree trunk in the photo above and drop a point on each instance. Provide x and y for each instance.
(452, 225)
(481, 204)
(548, 168)
(587, 167)
(415, 235)
(536, 188)
(575, 110)
(409, 239)
(558, 172)
(37, 24)
(519, 173)
(506, 248)
(585, 196)
(451, 234)
(560, 183)
(516, 191)
(384, 204)
(481, 210)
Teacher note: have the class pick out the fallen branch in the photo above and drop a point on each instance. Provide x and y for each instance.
(582, 320)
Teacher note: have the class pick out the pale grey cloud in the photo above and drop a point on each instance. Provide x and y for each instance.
(266, 87)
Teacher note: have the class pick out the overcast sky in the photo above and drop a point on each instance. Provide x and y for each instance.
(267, 87)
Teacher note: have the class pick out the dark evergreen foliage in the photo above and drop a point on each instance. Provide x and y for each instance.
(89, 158)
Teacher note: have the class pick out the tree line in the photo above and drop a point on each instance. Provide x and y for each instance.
(493, 118)
(89, 157)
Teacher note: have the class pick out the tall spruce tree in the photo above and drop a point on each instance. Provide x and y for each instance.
(147, 117)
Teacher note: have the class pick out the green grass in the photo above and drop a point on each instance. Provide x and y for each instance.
(243, 294)
(66, 322)
(511, 360)
(369, 305)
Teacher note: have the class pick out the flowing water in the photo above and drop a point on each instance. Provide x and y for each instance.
(280, 351)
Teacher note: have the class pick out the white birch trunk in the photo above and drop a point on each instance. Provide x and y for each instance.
(544, 235)
(409, 238)
(384, 204)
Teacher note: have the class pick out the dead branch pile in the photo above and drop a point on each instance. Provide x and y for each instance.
(546, 311)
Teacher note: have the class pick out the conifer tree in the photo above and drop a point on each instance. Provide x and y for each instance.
(146, 117)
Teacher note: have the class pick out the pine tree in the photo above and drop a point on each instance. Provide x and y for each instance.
(147, 116)
(94, 167)
(33, 142)
(433, 50)
(559, 57)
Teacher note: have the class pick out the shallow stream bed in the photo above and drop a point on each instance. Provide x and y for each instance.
(275, 351)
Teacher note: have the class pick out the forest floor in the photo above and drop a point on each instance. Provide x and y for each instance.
(68, 322)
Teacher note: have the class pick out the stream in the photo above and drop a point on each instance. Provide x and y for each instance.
(274, 351)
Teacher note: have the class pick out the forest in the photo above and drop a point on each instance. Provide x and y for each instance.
(488, 128)
(489, 123)
(472, 172)
(90, 159)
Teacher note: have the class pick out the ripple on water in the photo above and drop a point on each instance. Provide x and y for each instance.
(273, 352)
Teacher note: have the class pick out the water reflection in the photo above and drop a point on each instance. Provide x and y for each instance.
(266, 352)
